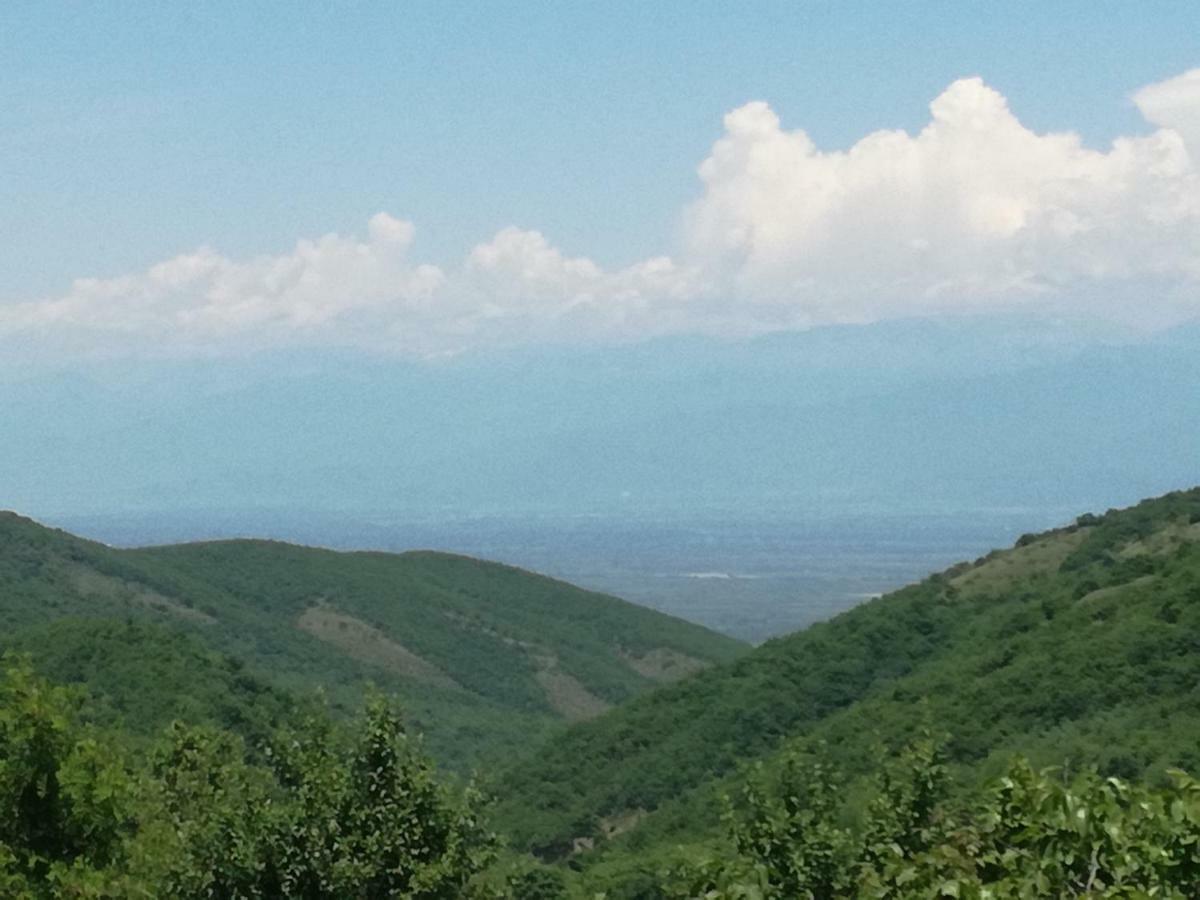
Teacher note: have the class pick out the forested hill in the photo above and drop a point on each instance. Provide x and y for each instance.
(484, 658)
(1077, 646)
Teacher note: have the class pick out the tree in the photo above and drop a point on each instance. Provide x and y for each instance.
(327, 817)
(66, 798)
(1030, 834)
(319, 814)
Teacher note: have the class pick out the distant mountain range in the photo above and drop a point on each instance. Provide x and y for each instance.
(1014, 412)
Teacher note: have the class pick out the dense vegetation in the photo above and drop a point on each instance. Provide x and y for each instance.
(141, 677)
(321, 815)
(323, 812)
(1060, 676)
(1076, 647)
(1029, 834)
(485, 658)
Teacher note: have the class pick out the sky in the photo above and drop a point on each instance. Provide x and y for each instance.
(429, 179)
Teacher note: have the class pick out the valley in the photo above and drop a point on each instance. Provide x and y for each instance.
(608, 733)
(745, 574)
(483, 656)
(600, 451)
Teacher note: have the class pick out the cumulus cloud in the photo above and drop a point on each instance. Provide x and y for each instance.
(520, 284)
(512, 289)
(1174, 104)
(198, 300)
(973, 212)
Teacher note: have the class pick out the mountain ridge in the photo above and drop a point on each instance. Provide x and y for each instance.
(482, 654)
(690, 423)
(1075, 646)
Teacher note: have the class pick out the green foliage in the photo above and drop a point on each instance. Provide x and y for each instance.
(466, 645)
(65, 801)
(327, 816)
(1030, 834)
(366, 820)
(904, 819)
(210, 827)
(1077, 648)
(534, 882)
(788, 836)
(141, 676)
(1076, 665)
(1119, 528)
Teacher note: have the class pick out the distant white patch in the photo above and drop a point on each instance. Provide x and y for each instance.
(724, 576)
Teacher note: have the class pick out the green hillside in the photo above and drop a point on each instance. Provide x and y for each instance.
(141, 676)
(484, 658)
(1078, 646)
(1075, 648)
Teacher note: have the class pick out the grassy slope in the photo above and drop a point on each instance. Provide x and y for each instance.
(1077, 646)
(485, 657)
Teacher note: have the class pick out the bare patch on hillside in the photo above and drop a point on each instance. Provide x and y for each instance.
(619, 823)
(368, 644)
(663, 664)
(566, 694)
(90, 583)
(1004, 568)
(609, 828)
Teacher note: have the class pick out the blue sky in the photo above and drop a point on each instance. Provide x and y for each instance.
(302, 204)
(136, 132)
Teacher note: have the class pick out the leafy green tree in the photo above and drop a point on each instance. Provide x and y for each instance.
(327, 815)
(1031, 834)
(786, 839)
(329, 818)
(1094, 837)
(65, 798)
(402, 827)
(211, 822)
(906, 821)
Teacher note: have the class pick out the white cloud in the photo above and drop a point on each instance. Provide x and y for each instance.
(521, 286)
(1175, 104)
(203, 300)
(975, 211)
(340, 290)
